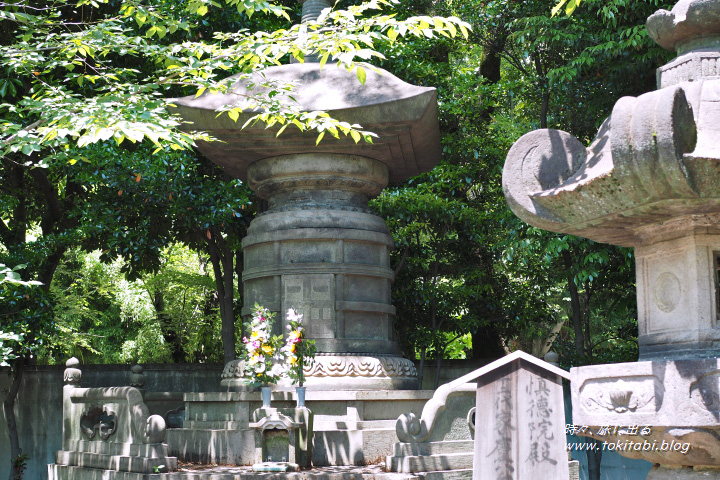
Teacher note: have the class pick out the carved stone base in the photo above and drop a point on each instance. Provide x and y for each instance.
(665, 412)
(659, 472)
(340, 372)
(233, 377)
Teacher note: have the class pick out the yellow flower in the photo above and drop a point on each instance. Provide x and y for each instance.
(267, 349)
(293, 360)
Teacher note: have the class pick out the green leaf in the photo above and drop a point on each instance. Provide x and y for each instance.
(361, 74)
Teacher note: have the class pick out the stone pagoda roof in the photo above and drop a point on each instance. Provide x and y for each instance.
(403, 116)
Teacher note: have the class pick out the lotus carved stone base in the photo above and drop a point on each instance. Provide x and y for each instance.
(678, 400)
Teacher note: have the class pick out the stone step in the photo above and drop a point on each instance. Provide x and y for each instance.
(433, 448)
(325, 425)
(461, 474)
(64, 472)
(431, 463)
(213, 425)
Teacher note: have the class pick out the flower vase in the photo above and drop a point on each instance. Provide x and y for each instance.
(266, 393)
(300, 392)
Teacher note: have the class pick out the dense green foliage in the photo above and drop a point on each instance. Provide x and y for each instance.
(468, 264)
(83, 94)
(94, 158)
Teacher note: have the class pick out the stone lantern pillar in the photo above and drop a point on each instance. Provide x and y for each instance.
(317, 247)
(649, 180)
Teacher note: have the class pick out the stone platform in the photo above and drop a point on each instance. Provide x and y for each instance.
(351, 427)
(214, 472)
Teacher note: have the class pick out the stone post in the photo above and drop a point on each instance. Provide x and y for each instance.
(520, 405)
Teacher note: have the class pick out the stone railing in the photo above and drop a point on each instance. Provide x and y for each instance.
(411, 429)
(108, 429)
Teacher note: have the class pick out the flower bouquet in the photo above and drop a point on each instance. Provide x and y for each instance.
(263, 355)
(298, 351)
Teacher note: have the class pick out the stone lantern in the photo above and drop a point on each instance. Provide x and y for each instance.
(650, 180)
(317, 248)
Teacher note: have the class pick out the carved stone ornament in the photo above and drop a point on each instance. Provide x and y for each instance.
(620, 396)
(343, 365)
(705, 392)
(234, 369)
(275, 421)
(137, 379)
(72, 374)
(99, 422)
(335, 365)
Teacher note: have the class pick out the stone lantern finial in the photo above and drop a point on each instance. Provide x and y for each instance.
(690, 25)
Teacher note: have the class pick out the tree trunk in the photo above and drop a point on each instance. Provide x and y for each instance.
(438, 365)
(222, 259)
(576, 313)
(486, 343)
(594, 457)
(9, 408)
(228, 317)
(421, 366)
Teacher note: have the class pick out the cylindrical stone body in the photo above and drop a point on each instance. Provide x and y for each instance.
(312, 9)
(319, 250)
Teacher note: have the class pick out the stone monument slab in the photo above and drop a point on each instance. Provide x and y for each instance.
(520, 404)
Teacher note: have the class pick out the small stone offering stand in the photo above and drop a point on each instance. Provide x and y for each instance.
(650, 180)
(283, 439)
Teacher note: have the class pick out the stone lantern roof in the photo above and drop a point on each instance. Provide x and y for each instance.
(652, 170)
(403, 116)
(691, 24)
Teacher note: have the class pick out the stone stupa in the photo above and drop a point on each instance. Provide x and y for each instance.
(317, 248)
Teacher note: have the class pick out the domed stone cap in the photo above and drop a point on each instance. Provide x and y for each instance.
(690, 25)
(404, 117)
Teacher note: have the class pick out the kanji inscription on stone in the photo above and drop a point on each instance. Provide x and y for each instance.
(520, 405)
(313, 296)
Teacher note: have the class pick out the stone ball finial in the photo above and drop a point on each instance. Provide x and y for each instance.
(552, 358)
(137, 379)
(72, 374)
(690, 25)
(155, 429)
